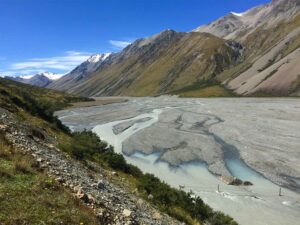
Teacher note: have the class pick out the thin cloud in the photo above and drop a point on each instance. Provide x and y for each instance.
(65, 62)
(21, 72)
(119, 44)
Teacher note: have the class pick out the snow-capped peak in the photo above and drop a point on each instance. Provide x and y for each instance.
(51, 76)
(98, 57)
(27, 76)
(237, 14)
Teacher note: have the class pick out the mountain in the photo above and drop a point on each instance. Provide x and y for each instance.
(251, 53)
(40, 80)
(80, 73)
(271, 36)
(159, 64)
(238, 25)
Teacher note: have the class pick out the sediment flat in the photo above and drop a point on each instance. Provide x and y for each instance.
(264, 131)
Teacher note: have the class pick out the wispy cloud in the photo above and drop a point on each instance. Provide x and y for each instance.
(64, 63)
(119, 44)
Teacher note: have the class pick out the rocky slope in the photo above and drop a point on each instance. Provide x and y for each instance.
(271, 36)
(86, 166)
(101, 191)
(239, 25)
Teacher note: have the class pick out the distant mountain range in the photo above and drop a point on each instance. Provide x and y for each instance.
(249, 54)
(41, 79)
(80, 73)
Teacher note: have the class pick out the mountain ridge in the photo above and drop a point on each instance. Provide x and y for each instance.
(41, 79)
(236, 53)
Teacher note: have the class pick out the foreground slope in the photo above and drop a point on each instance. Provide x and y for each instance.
(114, 192)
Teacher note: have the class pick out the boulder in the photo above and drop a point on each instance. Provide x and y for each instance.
(156, 216)
(150, 196)
(127, 212)
(101, 185)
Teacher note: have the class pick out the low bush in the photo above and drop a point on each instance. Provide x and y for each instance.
(87, 146)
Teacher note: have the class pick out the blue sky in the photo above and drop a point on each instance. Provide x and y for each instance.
(57, 35)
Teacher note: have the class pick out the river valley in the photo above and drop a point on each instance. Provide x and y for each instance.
(198, 144)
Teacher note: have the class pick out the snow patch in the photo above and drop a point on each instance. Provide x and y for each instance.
(237, 14)
(98, 57)
(27, 76)
(51, 76)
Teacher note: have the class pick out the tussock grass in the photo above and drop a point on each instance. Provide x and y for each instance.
(28, 196)
(23, 164)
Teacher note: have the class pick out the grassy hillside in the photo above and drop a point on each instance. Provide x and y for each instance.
(19, 177)
(29, 196)
(19, 98)
(161, 64)
(209, 88)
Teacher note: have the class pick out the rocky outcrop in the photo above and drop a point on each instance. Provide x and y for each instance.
(111, 201)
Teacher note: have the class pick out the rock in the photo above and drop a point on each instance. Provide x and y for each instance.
(114, 173)
(83, 197)
(150, 196)
(101, 185)
(60, 180)
(77, 189)
(156, 216)
(39, 160)
(3, 127)
(140, 203)
(91, 199)
(127, 212)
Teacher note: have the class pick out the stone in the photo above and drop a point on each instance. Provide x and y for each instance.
(127, 212)
(39, 160)
(3, 127)
(83, 197)
(101, 184)
(140, 203)
(60, 180)
(150, 196)
(91, 199)
(156, 216)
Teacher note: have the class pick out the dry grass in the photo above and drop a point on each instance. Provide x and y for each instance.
(28, 196)
(97, 102)
(23, 164)
(212, 91)
(5, 151)
(179, 212)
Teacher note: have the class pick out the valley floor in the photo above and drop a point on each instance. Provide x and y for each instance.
(252, 139)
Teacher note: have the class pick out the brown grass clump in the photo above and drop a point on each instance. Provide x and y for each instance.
(5, 149)
(23, 165)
